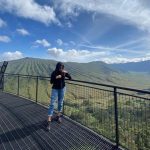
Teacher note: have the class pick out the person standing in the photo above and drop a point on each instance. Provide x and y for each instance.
(58, 91)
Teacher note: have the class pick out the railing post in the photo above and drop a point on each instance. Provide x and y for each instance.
(116, 117)
(36, 89)
(3, 83)
(18, 86)
(63, 111)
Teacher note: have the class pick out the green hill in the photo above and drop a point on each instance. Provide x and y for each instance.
(142, 66)
(99, 72)
(94, 71)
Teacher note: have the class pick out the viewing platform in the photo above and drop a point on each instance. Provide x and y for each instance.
(23, 126)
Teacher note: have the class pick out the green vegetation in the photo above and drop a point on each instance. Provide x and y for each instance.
(94, 71)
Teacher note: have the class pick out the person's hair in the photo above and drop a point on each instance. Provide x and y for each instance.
(59, 65)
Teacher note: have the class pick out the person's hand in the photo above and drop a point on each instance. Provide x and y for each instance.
(58, 77)
(64, 71)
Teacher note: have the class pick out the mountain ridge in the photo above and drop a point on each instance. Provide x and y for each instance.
(98, 72)
(142, 66)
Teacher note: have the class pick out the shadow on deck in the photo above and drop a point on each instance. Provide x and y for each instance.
(22, 126)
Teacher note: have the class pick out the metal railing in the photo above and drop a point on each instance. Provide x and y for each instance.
(2, 71)
(120, 114)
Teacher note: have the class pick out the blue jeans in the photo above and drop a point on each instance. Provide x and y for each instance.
(56, 93)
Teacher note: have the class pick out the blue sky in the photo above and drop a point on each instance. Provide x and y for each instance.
(112, 31)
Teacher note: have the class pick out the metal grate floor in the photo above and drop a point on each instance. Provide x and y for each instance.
(23, 123)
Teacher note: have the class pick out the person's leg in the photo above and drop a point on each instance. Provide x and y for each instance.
(61, 94)
(54, 95)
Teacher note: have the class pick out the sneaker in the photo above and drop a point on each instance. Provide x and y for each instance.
(59, 119)
(48, 125)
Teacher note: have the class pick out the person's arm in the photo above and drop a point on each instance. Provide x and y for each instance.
(53, 77)
(68, 76)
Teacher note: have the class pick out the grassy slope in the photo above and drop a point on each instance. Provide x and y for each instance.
(94, 71)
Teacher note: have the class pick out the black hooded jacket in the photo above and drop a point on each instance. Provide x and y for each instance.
(59, 83)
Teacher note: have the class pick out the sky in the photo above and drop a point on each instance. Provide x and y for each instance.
(113, 31)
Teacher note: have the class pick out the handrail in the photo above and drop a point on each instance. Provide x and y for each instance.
(92, 83)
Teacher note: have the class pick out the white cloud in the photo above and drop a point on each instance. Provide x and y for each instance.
(2, 23)
(4, 38)
(11, 55)
(121, 59)
(59, 42)
(23, 32)
(69, 24)
(148, 54)
(30, 9)
(42, 42)
(72, 42)
(136, 42)
(112, 49)
(135, 12)
(66, 8)
(74, 55)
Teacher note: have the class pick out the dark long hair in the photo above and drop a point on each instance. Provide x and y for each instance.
(58, 66)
